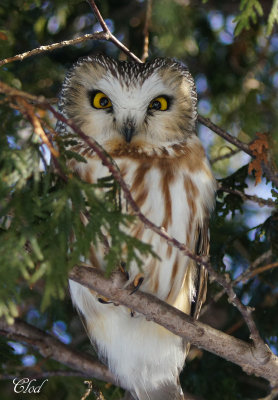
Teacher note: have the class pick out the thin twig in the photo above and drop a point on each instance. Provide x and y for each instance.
(269, 169)
(109, 34)
(259, 270)
(104, 35)
(35, 121)
(145, 54)
(28, 110)
(271, 173)
(245, 196)
(98, 394)
(227, 136)
(53, 46)
(224, 156)
(9, 90)
(89, 390)
(244, 276)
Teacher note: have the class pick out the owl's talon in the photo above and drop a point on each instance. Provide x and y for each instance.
(104, 300)
(138, 280)
(124, 270)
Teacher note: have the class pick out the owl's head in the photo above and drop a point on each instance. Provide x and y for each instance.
(127, 102)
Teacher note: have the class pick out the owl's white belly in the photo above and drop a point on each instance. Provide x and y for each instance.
(141, 353)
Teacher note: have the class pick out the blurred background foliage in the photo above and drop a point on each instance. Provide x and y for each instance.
(237, 81)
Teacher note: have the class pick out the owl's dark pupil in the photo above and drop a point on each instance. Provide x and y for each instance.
(156, 105)
(103, 101)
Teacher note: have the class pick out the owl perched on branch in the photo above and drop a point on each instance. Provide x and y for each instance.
(144, 116)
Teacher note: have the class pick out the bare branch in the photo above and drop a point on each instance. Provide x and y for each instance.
(109, 34)
(105, 35)
(49, 346)
(227, 136)
(245, 196)
(28, 111)
(145, 54)
(271, 173)
(54, 46)
(241, 278)
(269, 169)
(10, 91)
(35, 121)
(89, 390)
(224, 156)
(264, 364)
(260, 270)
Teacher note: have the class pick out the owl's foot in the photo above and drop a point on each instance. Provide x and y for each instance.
(138, 280)
(104, 300)
(124, 270)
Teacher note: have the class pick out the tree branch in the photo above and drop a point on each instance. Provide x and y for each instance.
(50, 347)
(269, 170)
(245, 196)
(35, 121)
(252, 361)
(227, 136)
(244, 276)
(145, 54)
(54, 46)
(109, 34)
(104, 35)
(224, 156)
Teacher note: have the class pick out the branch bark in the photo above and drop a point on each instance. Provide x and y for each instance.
(225, 135)
(109, 34)
(245, 196)
(269, 169)
(251, 359)
(50, 347)
(54, 46)
(145, 53)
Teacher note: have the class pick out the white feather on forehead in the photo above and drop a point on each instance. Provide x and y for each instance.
(135, 96)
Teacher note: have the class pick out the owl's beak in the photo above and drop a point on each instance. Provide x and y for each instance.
(128, 130)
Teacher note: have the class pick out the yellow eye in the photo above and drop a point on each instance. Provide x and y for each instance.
(159, 103)
(100, 100)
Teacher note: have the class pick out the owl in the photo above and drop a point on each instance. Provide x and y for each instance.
(144, 116)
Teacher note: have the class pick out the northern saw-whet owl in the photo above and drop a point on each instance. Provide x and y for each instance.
(144, 116)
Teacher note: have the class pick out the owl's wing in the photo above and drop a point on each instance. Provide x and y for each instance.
(202, 249)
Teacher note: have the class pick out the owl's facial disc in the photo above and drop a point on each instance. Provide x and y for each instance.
(150, 104)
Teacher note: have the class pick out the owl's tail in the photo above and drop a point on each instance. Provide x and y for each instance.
(167, 391)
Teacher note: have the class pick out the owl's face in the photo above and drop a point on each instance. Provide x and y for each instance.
(125, 102)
